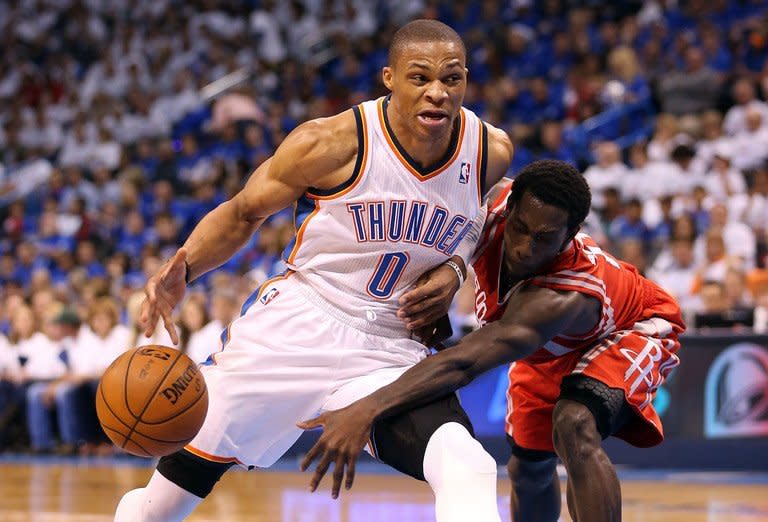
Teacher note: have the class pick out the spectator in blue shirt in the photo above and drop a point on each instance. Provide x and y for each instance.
(630, 224)
(541, 102)
(49, 241)
(552, 144)
(87, 257)
(228, 146)
(193, 167)
(134, 235)
(27, 261)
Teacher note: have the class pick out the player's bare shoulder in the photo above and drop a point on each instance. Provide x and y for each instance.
(500, 151)
(323, 151)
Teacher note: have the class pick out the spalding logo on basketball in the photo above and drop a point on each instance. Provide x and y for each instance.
(152, 401)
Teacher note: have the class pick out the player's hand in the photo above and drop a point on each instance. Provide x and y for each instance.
(429, 299)
(163, 292)
(345, 434)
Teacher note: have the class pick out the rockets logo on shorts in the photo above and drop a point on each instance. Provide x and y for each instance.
(269, 295)
(464, 173)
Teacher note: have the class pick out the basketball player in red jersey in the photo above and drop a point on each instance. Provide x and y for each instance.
(384, 193)
(589, 339)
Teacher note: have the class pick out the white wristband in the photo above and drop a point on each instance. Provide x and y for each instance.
(457, 269)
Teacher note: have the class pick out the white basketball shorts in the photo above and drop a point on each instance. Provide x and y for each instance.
(283, 361)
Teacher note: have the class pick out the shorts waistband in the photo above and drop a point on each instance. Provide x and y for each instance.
(358, 323)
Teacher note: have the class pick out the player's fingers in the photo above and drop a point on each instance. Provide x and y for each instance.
(423, 321)
(350, 473)
(320, 471)
(427, 305)
(150, 306)
(310, 456)
(151, 320)
(169, 326)
(417, 294)
(338, 475)
(310, 424)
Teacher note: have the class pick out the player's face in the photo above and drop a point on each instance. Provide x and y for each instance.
(534, 234)
(428, 82)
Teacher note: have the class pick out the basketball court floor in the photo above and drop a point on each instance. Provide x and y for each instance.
(72, 490)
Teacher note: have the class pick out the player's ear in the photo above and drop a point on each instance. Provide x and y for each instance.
(386, 77)
(569, 237)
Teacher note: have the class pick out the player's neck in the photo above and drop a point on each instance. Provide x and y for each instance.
(424, 151)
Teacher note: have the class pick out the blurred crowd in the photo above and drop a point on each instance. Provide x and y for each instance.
(123, 123)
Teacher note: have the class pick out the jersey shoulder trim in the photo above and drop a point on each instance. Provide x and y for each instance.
(360, 162)
(482, 159)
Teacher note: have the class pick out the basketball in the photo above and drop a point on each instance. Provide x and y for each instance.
(151, 401)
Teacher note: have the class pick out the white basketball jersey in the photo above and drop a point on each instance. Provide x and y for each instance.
(360, 246)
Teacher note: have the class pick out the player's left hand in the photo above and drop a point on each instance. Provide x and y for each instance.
(429, 299)
(345, 434)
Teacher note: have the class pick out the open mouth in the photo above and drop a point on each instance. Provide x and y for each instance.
(433, 117)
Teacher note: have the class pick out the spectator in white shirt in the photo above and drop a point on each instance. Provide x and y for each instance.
(724, 181)
(76, 150)
(41, 362)
(42, 134)
(676, 273)
(739, 239)
(208, 339)
(609, 171)
(42, 395)
(712, 136)
(691, 172)
(752, 208)
(751, 145)
(660, 146)
(11, 391)
(38, 356)
(193, 316)
(745, 97)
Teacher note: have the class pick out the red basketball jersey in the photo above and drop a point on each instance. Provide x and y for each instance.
(625, 295)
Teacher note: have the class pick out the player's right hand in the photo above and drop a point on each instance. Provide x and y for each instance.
(163, 292)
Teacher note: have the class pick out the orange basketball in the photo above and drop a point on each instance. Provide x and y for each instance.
(152, 401)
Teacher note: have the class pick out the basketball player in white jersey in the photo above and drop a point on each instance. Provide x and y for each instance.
(384, 192)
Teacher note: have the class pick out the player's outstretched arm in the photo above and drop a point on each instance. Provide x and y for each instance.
(315, 154)
(533, 316)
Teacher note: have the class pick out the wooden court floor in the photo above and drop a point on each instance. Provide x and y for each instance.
(70, 492)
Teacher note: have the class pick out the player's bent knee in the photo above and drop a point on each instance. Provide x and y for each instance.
(192, 473)
(452, 453)
(574, 431)
(527, 474)
(130, 506)
(462, 475)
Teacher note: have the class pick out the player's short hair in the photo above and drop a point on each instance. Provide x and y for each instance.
(422, 31)
(555, 183)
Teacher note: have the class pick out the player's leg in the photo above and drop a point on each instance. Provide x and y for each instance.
(258, 389)
(592, 479)
(535, 485)
(610, 392)
(180, 482)
(435, 443)
(531, 396)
